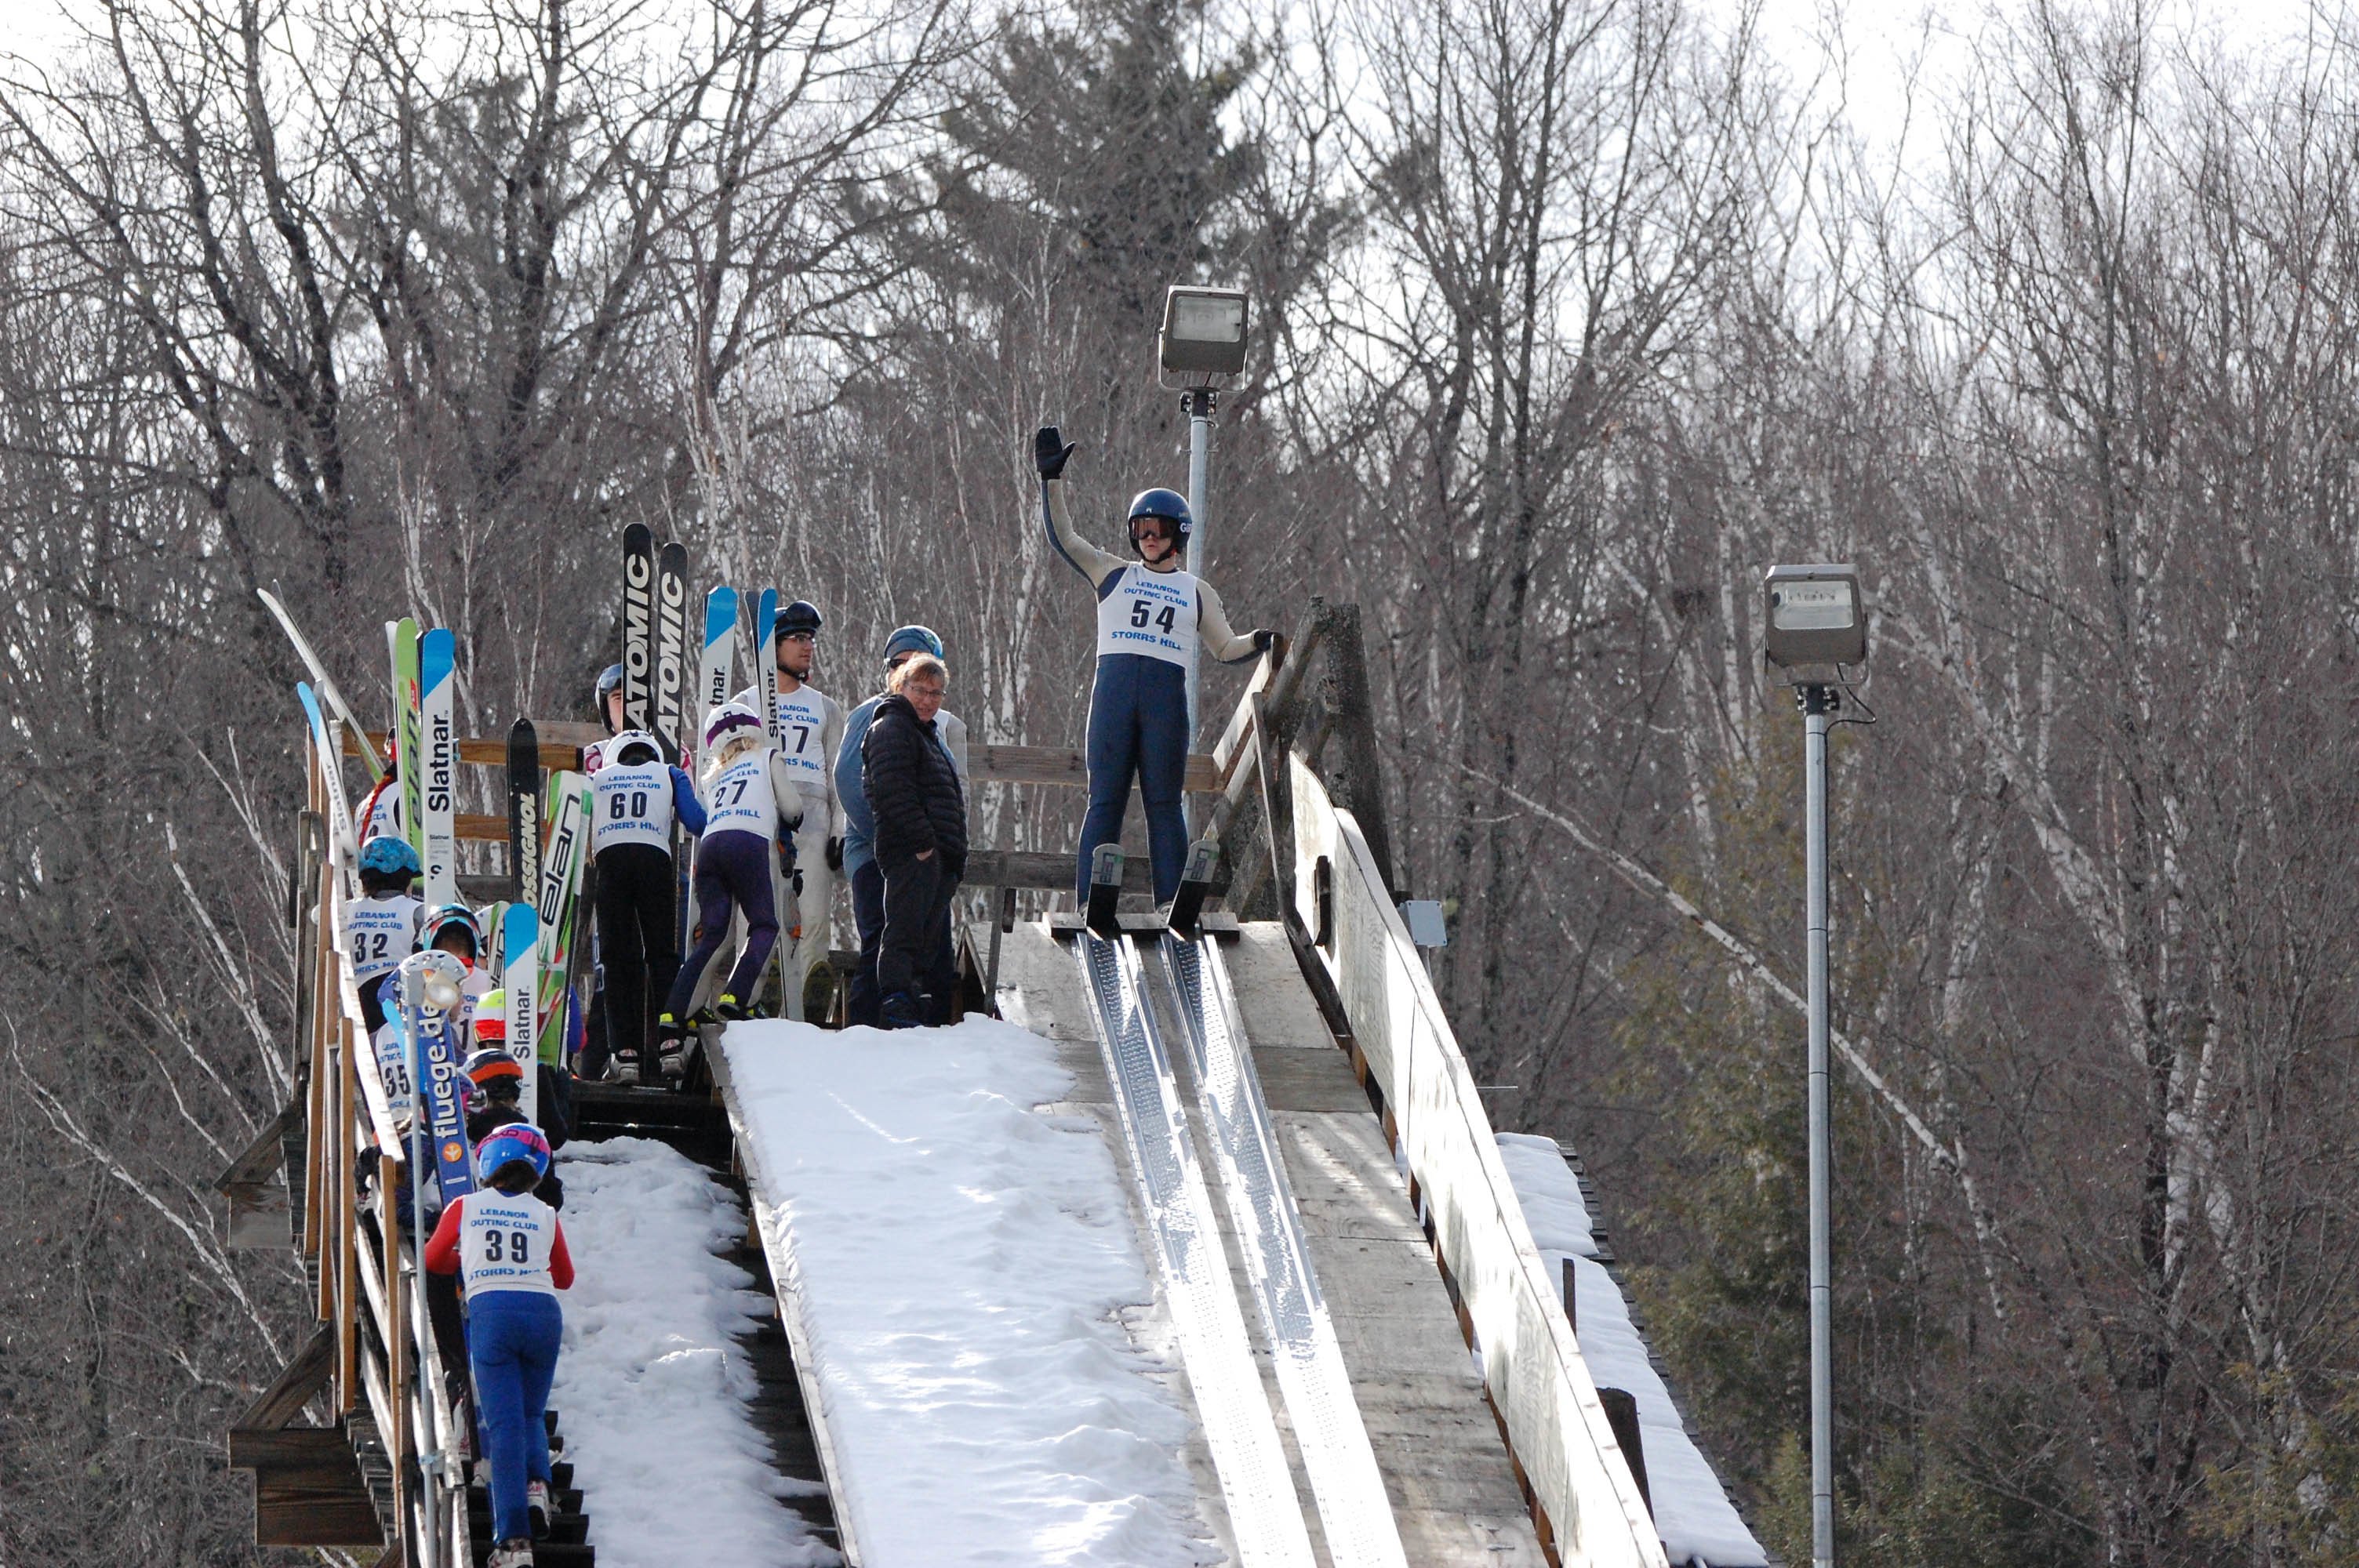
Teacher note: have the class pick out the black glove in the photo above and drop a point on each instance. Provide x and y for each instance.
(1050, 451)
(1264, 640)
(835, 854)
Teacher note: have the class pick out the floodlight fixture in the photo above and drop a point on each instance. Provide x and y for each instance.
(1814, 620)
(1201, 343)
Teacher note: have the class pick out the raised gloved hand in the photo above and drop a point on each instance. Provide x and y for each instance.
(835, 854)
(1051, 450)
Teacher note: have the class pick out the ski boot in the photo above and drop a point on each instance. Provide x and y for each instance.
(624, 1068)
(899, 1011)
(516, 1553)
(536, 1503)
(672, 1047)
(729, 1009)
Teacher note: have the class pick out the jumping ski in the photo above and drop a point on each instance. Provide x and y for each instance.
(638, 625)
(401, 641)
(520, 979)
(716, 673)
(524, 811)
(322, 681)
(439, 849)
(339, 816)
(671, 721)
(766, 644)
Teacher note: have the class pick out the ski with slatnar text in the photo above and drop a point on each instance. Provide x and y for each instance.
(716, 673)
(524, 811)
(439, 765)
(401, 639)
(671, 723)
(638, 626)
(520, 979)
(766, 676)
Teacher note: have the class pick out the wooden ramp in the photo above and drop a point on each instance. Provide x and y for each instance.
(1452, 1486)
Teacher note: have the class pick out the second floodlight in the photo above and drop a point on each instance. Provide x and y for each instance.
(1815, 619)
(1201, 342)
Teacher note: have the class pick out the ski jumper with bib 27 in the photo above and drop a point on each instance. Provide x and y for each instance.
(747, 804)
(1150, 625)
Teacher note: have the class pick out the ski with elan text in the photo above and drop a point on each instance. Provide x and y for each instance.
(560, 885)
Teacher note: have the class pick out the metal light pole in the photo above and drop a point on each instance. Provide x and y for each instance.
(1814, 625)
(1816, 701)
(1198, 402)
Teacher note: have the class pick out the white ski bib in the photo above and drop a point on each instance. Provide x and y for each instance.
(505, 1242)
(632, 805)
(802, 719)
(382, 932)
(1151, 614)
(740, 801)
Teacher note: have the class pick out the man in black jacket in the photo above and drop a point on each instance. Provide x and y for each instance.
(920, 840)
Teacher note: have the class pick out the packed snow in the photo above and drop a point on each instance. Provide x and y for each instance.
(966, 1273)
(1693, 1514)
(650, 1384)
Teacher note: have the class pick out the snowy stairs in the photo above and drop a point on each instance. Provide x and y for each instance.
(697, 1124)
(567, 1544)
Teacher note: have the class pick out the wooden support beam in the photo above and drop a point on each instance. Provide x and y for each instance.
(308, 1489)
(291, 1390)
(1063, 765)
(560, 745)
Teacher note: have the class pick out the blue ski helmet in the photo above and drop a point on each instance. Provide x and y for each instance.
(451, 915)
(506, 1145)
(610, 681)
(388, 855)
(1165, 503)
(801, 616)
(912, 640)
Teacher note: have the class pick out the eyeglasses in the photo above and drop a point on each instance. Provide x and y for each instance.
(914, 691)
(800, 637)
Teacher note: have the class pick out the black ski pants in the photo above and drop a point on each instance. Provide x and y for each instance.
(638, 939)
(913, 952)
(868, 916)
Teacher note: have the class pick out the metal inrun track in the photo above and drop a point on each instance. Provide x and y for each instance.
(1264, 1512)
(1352, 1508)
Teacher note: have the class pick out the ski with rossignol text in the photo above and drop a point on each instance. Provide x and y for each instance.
(520, 979)
(401, 640)
(439, 766)
(524, 811)
(332, 772)
(323, 684)
(671, 651)
(638, 625)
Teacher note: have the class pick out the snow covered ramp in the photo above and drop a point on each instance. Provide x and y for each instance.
(970, 1309)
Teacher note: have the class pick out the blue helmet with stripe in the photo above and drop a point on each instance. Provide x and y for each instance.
(912, 640)
(1168, 504)
(504, 1146)
(388, 855)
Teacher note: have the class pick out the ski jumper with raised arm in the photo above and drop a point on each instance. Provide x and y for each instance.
(1150, 624)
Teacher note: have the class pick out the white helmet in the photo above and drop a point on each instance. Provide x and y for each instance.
(613, 750)
(728, 720)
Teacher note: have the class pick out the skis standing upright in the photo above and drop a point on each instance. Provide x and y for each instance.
(766, 674)
(401, 639)
(524, 811)
(638, 625)
(439, 851)
(520, 979)
(322, 684)
(718, 670)
(671, 723)
(340, 815)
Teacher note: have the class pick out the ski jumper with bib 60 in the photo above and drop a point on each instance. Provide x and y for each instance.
(637, 796)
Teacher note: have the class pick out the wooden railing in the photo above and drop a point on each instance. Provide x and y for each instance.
(381, 1469)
